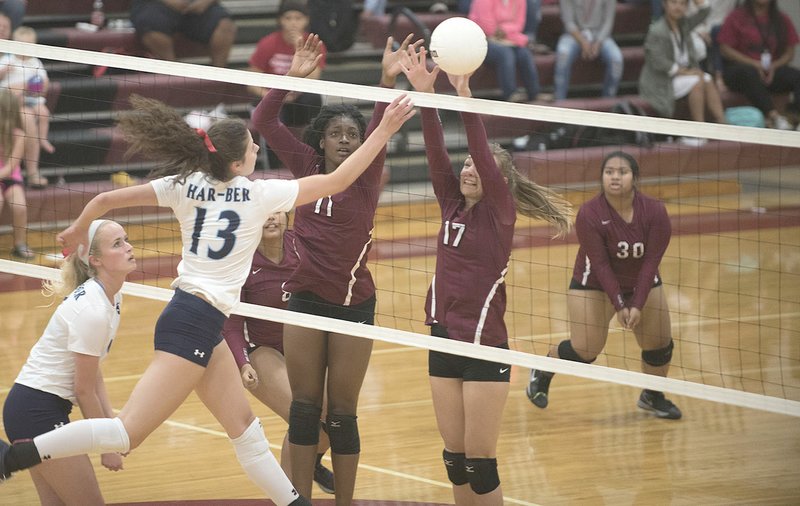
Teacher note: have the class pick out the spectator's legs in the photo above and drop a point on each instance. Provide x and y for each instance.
(612, 57)
(528, 72)
(32, 150)
(221, 42)
(19, 215)
(713, 101)
(160, 45)
(697, 103)
(745, 79)
(463, 6)
(43, 126)
(567, 50)
(502, 58)
(787, 79)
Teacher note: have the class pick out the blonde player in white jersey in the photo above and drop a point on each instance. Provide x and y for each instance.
(63, 368)
(221, 213)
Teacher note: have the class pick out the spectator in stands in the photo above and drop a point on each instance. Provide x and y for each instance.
(206, 21)
(671, 71)
(705, 34)
(656, 8)
(26, 77)
(15, 10)
(502, 22)
(12, 145)
(273, 55)
(533, 17)
(587, 32)
(757, 42)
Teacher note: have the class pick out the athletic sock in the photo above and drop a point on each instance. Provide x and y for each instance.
(252, 450)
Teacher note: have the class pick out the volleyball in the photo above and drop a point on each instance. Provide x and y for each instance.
(458, 46)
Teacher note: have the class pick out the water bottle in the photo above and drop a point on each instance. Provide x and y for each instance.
(98, 17)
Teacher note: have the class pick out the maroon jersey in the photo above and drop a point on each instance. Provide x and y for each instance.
(620, 257)
(264, 286)
(467, 295)
(334, 234)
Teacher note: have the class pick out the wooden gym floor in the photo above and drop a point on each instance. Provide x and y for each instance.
(733, 281)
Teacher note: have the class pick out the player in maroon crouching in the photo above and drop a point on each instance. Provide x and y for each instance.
(623, 234)
(467, 297)
(257, 344)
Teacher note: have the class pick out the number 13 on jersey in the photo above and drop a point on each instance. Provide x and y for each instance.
(227, 234)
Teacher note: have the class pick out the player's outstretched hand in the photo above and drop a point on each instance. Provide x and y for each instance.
(415, 66)
(307, 55)
(73, 239)
(398, 112)
(461, 84)
(111, 461)
(390, 63)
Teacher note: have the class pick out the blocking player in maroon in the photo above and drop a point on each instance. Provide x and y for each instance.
(623, 235)
(467, 297)
(257, 344)
(332, 238)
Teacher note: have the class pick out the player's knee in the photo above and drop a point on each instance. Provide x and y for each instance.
(567, 352)
(455, 464)
(343, 434)
(304, 423)
(482, 475)
(659, 357)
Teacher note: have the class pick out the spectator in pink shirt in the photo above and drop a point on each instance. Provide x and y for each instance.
(503, 21)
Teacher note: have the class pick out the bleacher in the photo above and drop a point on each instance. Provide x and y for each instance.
(88, 147)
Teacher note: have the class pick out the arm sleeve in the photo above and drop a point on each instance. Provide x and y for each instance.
(88, 331)
(657, 50)
(568, 16)
(372, 176)
(292, 152)
(609, 13)
(495, 188)
(166, 192)
(594, 245)
(445, 183)
(233, 332)
(659, 232)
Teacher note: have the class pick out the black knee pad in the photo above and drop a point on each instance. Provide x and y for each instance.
(482, 475)
(455, 463)
(304, 423)
(343, 433)
(567, 352)
(659, 357)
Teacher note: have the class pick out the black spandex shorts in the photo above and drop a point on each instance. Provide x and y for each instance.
(189, 327)
(29, 412)
(310, 303)
(445, 365)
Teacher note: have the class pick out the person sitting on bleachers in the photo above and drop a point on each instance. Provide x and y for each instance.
(671, 71)
(502, 21)
(273, 55)
(757, 43)
(206, 21)
(15, 74)
(15, 10)
(587, 32)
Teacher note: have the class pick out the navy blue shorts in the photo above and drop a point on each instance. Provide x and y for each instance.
(446, 365)
(189, 327)
(310, 303)
(29, 412)
(154, 16)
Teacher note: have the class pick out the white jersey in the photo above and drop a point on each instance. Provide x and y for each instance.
(20, 71)
(221, 225)
(85, 322)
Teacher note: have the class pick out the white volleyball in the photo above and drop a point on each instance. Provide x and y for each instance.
(458, 45)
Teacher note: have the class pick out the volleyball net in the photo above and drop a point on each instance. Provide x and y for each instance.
(730, 273)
